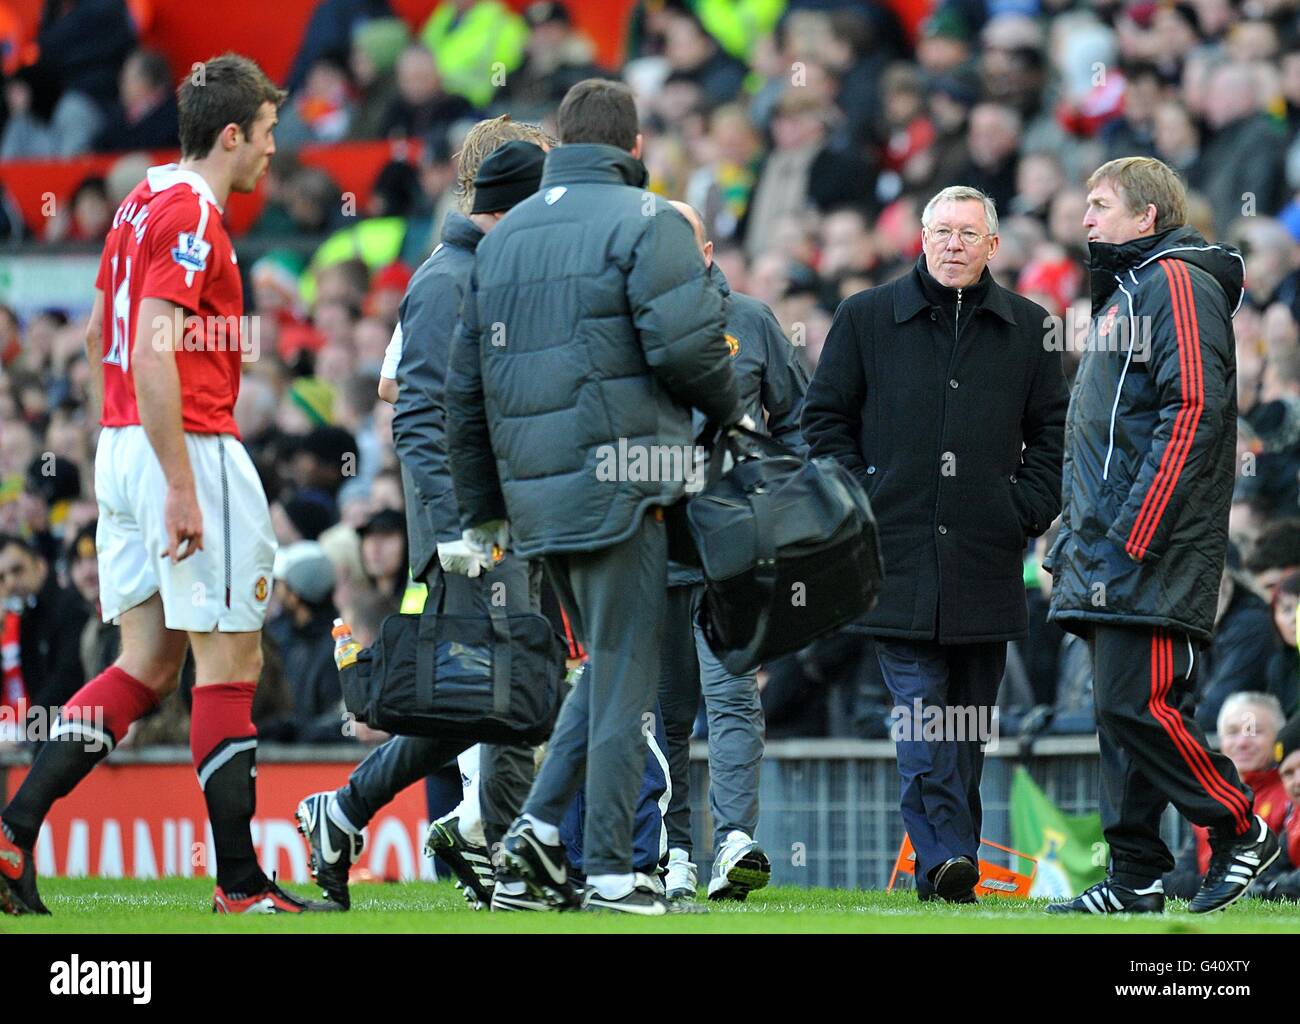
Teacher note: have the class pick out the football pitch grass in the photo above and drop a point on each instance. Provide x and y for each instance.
(180, 905)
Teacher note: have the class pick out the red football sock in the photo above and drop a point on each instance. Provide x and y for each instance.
(92, 722)
(223, 743)
(112, 700)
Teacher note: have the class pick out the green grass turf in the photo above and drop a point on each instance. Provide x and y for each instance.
(183, 905)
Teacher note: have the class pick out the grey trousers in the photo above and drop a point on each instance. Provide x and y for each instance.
(505, 772)
(735, 716)
(615, 601)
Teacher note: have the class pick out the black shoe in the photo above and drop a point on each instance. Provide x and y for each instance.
(505, 902)
(1109, 897)
(18, 893)
(644, 900)
(331, 850)
(1235, 864)
(541, 866)
(954, 880)
(471, 864)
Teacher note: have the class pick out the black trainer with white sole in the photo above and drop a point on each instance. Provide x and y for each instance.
(332, 851)
(1234, 864)
(541, 866)
(470, 863)
(1110, 897)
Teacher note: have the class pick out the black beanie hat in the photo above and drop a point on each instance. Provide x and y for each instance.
(508, 175)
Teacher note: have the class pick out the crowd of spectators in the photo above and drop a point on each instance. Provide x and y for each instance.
(809, 133)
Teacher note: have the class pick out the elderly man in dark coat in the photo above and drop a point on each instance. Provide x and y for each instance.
(943, 394)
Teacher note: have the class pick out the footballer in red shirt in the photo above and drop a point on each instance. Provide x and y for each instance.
(184, 538)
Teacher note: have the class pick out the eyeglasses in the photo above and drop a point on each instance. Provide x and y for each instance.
(968, 237)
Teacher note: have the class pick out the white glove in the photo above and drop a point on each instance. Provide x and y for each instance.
(727, 461)
(490, 541)
(462, 559)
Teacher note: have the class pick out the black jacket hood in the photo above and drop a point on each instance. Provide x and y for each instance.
(1222, 262)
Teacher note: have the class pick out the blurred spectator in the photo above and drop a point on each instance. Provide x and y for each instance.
(1175, 138)
(801, 170)
(1274, 555)
(1283, 882)
(330, 32)
(49, 619)
(992, 139)
(477, 43)
(321, 108)
(695, 56)
(277, 189)
(86, 215)
(145, 115)
(61, 127)
(1134, 132)
(1241, 167)
(1248, 727)
(422, 104)
(1284, 666)
(383, 552)
(101, 641)
(556, 56)
(373, 62)
(304, 583)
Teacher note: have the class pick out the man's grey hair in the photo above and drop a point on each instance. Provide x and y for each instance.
(1254, 698)
(962, 194)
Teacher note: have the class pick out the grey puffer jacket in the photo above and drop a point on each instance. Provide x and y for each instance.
(589, 331)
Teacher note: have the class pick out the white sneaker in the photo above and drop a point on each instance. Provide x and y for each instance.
(683, 877)
(739, 867)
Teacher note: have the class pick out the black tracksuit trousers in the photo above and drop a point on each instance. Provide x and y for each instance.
(1153, 753)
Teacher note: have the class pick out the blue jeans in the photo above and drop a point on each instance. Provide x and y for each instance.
(941, 773)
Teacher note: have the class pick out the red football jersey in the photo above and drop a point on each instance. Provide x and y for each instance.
(167, 241)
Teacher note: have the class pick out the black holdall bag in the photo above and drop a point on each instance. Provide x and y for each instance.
(484, 679)
(789, 549)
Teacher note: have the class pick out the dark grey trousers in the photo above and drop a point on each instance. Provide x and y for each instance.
(505, 772)
(615, 601)
(735, 716)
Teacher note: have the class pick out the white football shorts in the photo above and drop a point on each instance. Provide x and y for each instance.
(224, 587)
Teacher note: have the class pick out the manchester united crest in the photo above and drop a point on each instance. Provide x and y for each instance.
(260, 588)
(733, 345)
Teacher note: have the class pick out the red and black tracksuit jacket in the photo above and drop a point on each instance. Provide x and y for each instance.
(1150, 439)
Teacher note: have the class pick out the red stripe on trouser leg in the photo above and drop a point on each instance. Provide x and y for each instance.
(115, 695)
(1195, 756)
(222, 711)
(1232, 798)
(1191, 752)
(1197, 396)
